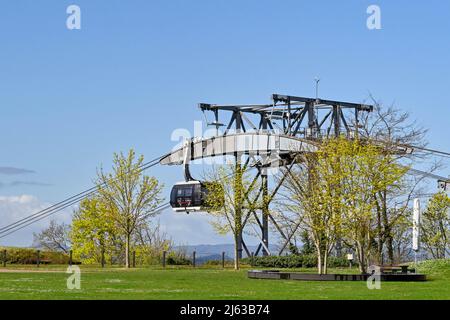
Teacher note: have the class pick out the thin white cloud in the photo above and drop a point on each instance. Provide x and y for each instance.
(14, 208)
(26, 183)
(14, 171)
(185, 229)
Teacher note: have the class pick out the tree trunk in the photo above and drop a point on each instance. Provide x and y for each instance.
(127, 251)
(317, 244)
(387, 233)
(380, 239)
(361, 258)
(236, 251)
(319, 263)
(325, 262)
(390, 248)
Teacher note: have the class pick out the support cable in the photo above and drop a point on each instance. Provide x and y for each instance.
(58, 207)
(26, 221)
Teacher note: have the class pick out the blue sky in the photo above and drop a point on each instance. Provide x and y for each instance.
(137, 69)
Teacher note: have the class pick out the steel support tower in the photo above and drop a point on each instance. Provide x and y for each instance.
(298, 117)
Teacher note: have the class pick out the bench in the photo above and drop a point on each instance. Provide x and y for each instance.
(396, 269)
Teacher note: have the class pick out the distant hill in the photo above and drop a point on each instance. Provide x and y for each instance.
(205, 252)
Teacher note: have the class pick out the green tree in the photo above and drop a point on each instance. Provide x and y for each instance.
(231, 198)
(435, 226)
(366, 171)
(313, 193)
(333, 193)
(401, 237)
(149, 243)
(93, 233)
(393, 129)
(307, 246)
(129, 196)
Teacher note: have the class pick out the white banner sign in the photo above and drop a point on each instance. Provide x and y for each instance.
(416, 225)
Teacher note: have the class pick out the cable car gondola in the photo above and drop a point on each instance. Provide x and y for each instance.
(188, 196)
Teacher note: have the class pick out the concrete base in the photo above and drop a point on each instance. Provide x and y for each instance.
(277, 275)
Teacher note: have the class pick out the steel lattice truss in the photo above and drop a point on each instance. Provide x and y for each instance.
(298, 117)
(265, 136)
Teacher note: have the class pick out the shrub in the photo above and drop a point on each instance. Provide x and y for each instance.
(29, 256)
(293, 261)
(177, 259)
(338, 262)
(433, 266)
(215, 263)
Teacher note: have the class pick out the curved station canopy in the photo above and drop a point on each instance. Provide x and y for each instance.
(278, 146)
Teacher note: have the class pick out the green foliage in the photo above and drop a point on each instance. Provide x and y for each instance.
(215, 263)
(112, 221)
(332, 192)
(293, 261)
(29, 256)
(130, 197)
(435, 226)
(177, 259)
(228, 201)
(93, 232)
(308, 245)
(363, 171)
(146, 255)
(433, 266)
(215, 196)
(227, 198)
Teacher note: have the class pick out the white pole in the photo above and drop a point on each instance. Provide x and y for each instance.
(416, 229)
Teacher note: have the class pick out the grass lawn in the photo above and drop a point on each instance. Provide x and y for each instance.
(201, 283)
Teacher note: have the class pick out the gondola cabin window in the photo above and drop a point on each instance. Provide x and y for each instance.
(187, 196)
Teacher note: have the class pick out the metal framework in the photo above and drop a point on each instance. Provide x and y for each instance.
(302, 121)
(286, 127)
(295, 116)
